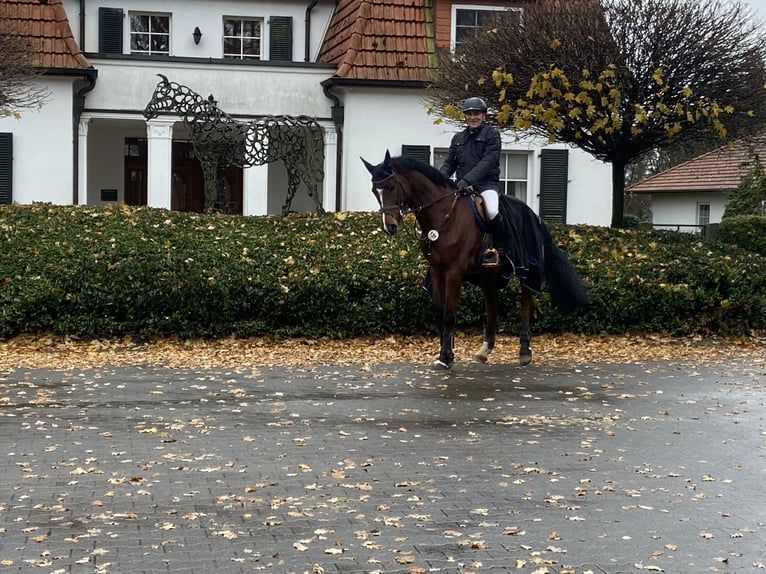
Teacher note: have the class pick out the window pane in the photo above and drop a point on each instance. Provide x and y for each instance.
(251, 28)
(231, 27)
(465, 17)
(232, 46)
(160, 24)
(159, 43)
(251, 47)
(487, 17)
(439, 156)
(139, 23)
(517, 166)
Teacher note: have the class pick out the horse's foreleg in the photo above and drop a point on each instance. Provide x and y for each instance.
(446, 291)
(525, 353)
(489, 289)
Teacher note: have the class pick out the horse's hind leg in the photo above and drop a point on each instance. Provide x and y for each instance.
(489, 288)
(525, 353)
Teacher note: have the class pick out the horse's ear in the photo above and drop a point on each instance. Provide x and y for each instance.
(368, 165)
(164, 78)
(387, 160)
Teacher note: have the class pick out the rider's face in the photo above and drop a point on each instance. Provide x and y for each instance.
(474, 118)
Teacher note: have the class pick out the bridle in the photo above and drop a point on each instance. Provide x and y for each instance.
(403, 209)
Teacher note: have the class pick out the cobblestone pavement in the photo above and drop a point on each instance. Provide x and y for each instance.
(553, 468)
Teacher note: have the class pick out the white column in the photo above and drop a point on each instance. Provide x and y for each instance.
(330, 169)
(255, 187)
(82, 160)
(159, 134)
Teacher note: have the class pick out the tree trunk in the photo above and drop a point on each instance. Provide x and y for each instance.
(618, 193)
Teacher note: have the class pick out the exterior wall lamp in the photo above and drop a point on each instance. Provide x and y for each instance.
(197, 35)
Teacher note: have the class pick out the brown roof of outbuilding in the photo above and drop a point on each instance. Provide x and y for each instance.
(381, 40)
(718, 170)
(47, 28)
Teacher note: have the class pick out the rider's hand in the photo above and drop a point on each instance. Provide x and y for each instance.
(462, 184)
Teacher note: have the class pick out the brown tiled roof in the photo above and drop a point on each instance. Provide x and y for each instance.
(47, 28)
(381, 40)
(719, 170)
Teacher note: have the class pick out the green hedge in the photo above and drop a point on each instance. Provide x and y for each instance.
(748, 231)
(94, 272)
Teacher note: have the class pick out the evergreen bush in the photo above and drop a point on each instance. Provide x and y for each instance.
(107, 272)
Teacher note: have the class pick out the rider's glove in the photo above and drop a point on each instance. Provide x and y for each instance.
(462, 184)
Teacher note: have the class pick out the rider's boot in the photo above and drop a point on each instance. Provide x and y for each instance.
(493, 255)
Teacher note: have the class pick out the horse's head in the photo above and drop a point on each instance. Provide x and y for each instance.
(388, 191)
(162, 98)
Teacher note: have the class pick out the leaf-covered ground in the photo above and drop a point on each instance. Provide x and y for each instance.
(62, 353)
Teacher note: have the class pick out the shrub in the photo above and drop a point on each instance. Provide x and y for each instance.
(93, 272)
(747, 231)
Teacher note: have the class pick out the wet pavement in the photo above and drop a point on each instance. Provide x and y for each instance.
(550, 468)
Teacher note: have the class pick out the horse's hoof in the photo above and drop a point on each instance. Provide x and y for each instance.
(442, 365)
(477, 358)
(525, 359)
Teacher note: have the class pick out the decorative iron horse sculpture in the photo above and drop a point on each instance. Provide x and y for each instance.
(452, 241)
(219, 141)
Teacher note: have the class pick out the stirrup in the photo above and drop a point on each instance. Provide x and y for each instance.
(490, 258)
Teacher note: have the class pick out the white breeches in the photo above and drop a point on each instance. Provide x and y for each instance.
(490, 202)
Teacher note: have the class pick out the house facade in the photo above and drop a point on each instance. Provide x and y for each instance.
(693, 194)
(359, 67)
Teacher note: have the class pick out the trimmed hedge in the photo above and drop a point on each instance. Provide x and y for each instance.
(93, 272)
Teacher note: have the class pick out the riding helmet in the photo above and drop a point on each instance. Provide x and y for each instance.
(474, 104)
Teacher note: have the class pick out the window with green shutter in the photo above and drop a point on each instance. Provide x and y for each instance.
(281, 38)
(419, 152)
(554, 181)
(110, 30)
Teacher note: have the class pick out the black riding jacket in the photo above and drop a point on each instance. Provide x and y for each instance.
(476, 157)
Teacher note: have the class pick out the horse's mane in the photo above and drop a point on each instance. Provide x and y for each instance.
(403, 163)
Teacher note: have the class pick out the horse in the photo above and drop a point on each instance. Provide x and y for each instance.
(221, 140)
(452, 239)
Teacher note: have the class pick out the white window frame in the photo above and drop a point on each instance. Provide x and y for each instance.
(242, 39)
(510, 183)
(132, 33)
(439, 155)
(475, 7)
(703, 219)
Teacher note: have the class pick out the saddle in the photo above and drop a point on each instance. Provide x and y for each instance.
(488, 254)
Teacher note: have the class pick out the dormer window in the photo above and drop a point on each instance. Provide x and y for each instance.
(467, 19)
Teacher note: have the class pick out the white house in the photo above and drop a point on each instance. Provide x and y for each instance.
(693, 194)
(359, 67)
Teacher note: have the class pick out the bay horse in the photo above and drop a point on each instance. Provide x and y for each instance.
(452, 240)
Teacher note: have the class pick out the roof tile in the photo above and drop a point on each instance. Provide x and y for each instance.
(47, 28)
(381, 40)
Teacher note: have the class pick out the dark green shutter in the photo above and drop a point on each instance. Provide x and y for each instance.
(6, 168)
(281, 38)
(110, 30)
(421, 152)
(554, 181)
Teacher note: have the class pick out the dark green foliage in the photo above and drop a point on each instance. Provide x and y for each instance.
(93, 272)
(748, 231)
(748, 198)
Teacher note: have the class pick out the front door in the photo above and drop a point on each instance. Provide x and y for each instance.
(188, 185)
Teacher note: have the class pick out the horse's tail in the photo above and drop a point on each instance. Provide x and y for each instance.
(567, 289)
